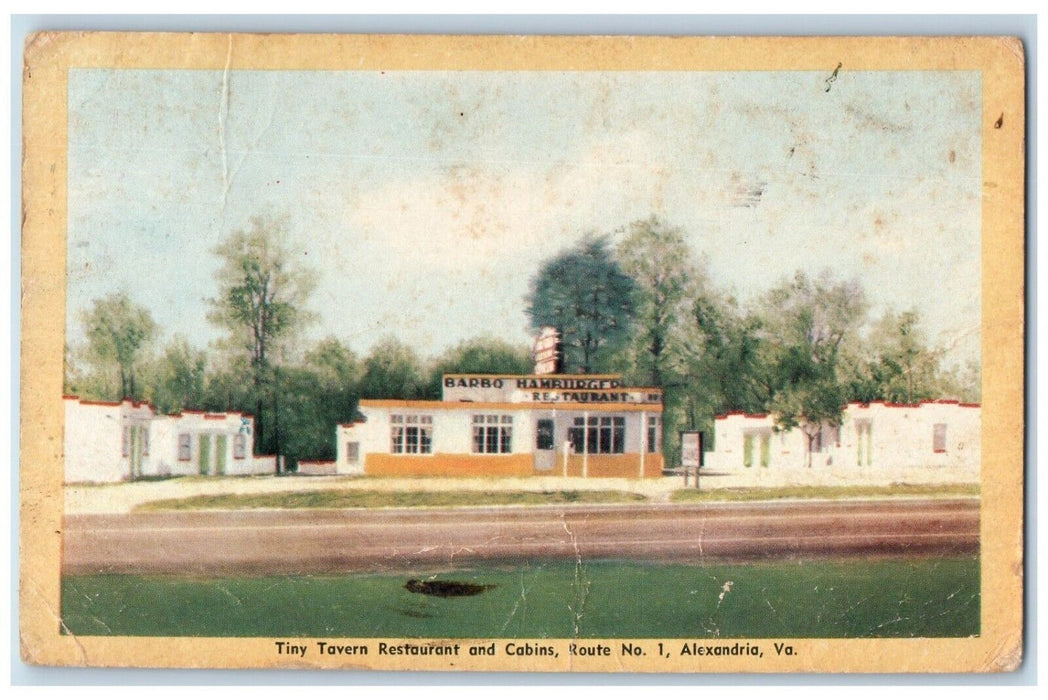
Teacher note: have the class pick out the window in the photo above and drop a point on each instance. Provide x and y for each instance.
(599, 435)
(239, 446)
(492, 434)
(544, 434)
(184, 447)
(125, 442)
(939, 438)
(411, 434)
(352, 452)
(827, 435)
(653, 433)
(145, 441)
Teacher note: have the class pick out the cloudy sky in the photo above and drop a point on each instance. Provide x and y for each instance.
(425, 201)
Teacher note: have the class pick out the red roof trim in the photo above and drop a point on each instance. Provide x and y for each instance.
(743, 414)
(214, 416)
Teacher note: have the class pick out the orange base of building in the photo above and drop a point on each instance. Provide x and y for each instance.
(626, 466)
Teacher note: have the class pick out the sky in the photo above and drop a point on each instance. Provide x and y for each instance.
(424, 202)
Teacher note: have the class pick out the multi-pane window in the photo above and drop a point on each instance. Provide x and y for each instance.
(493, 434)
(653, 433)
(239, 446)
(185, 447)
(411, 434)
(125, 443)
(939, 437)
(598, 435)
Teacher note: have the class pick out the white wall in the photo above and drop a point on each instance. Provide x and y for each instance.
(899, 437)
(453, 430)
(93, 441)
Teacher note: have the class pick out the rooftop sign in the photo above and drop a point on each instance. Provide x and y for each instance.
(580, 388)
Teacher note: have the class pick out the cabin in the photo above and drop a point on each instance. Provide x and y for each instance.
(878, 435)
(112, 441)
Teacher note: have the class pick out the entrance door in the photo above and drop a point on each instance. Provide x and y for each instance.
(220, 454)
(545, 454)
(136, 451)
(204, 455)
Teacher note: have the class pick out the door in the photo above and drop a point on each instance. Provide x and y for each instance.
(220, 454)
(136, 451)
(204, 455)
(765, 449)
(545, 454)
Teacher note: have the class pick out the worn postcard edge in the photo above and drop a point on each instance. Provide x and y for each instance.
(48, 56)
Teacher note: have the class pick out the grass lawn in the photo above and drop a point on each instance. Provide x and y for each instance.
(916, 598)
(770, 493)
(352, 498)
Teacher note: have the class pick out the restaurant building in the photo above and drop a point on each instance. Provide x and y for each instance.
(510, 425)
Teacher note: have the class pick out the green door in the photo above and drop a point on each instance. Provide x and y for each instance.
(747, 450)
(136, 451)
(220, 454)
(204, 455)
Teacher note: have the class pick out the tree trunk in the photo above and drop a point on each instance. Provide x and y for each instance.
(276, 417)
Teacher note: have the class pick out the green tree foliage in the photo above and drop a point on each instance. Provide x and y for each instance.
(228, 384)
(315, 397)
(393, 370)
(483, 355)
(261, 302)
(904, 367)
(723, 360)
(660, 264)
(805, 322)
(179, 377)
(117, 332)
(584, 294)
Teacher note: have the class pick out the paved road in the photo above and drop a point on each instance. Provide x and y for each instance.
(212, 542)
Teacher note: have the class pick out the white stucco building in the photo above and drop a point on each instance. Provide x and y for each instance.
(510, 425)
(876, 436)
(122, 441)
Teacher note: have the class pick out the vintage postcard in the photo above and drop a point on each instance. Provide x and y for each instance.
(522, 353)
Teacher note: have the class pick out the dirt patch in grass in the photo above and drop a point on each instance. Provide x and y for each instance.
(818, 492)
(353, 498)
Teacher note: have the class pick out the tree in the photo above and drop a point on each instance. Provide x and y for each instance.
(317, 395)
(393, 371)
(724, 364)
(905, 368)
(179, 377)
(804, 324)
(261, 302)
(478, 356)
(585, 295)
(116, 332)
(658, 260)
